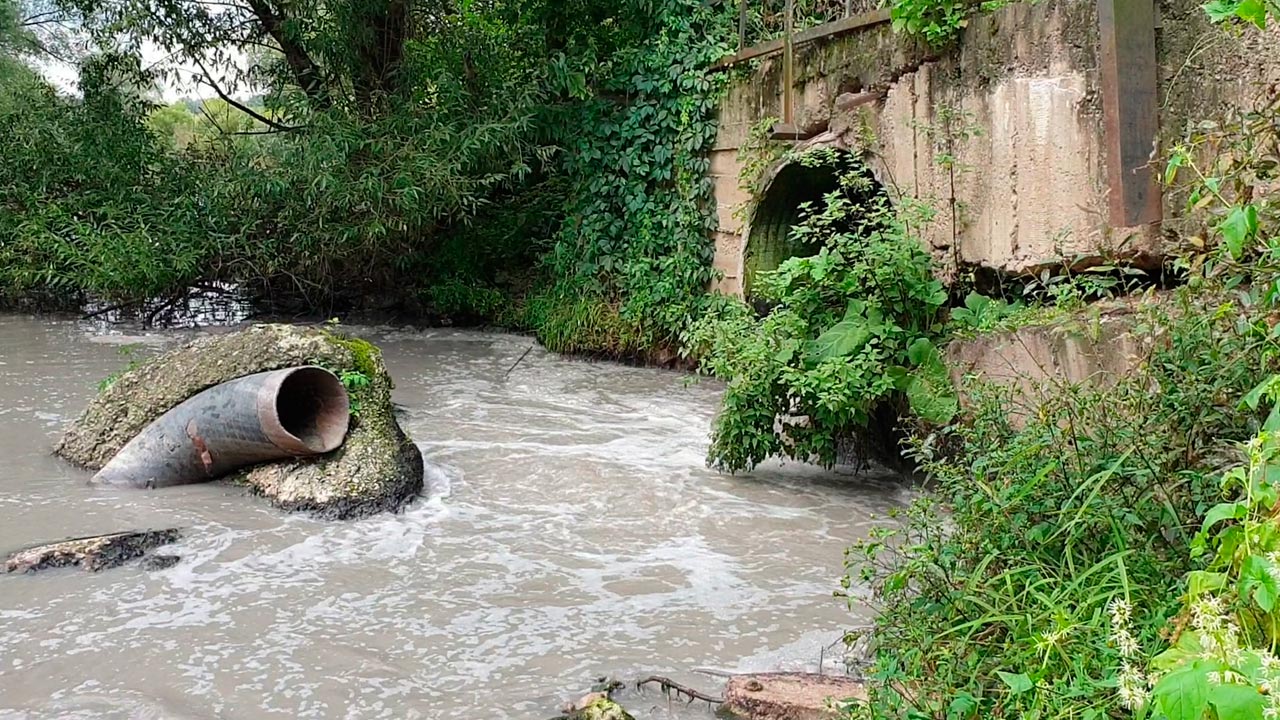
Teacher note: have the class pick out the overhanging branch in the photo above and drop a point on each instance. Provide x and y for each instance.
(208, 80)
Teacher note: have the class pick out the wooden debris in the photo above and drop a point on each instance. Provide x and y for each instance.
(93, 553)
(790, 696)
(669, 686)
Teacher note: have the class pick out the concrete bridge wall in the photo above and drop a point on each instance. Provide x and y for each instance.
(1022, 96)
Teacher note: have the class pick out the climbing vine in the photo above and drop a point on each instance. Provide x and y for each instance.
(633, 260)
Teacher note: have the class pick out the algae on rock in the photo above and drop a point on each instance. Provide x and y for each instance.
(601, 708)
(377, 467)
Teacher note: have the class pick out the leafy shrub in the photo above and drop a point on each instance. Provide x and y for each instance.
(567, 321)
(851, 328)
(938, 22)
(637, 231)
(1222, 663)
(997, 592)
(89, 200)
(981, 313)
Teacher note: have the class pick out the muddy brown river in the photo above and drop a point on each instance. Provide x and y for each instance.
(569, 530)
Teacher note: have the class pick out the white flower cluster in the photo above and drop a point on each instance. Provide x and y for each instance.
(1134, 685)
(1219, 637)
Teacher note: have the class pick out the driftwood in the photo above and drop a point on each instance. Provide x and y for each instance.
(789, 696)
(668, 685)
(93, 553)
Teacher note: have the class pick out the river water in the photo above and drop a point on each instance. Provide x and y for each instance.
(569, 531)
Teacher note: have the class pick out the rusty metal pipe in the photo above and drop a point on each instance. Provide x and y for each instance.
(266, 416)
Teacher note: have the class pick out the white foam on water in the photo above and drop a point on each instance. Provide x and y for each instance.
(567, 529)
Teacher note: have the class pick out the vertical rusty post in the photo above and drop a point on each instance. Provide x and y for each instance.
(788, 70)
(742, 24)
(1126, 29)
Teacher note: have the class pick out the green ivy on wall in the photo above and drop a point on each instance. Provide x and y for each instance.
(633, 260)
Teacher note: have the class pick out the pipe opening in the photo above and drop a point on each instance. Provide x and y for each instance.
(313, 407)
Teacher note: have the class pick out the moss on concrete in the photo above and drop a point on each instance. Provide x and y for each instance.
(377, 468)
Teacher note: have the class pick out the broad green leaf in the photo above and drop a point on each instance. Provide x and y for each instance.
(1223, 511)
(1220, 10)
(1018, 684)
(1253, 11)
(976, 302)
(847, 336)
(1199, 582)
(929, 389)
(1272, 424)
(1176, 160)
(1184, 693)
(1236, 702)
(934, 402)
(1254, 396)
(1188, 647)
(925, 354)
(961, 707)
(842, 339)
(1238, 228)
(1256, 581)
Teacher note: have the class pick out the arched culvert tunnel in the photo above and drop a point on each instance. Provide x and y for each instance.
(795, 187)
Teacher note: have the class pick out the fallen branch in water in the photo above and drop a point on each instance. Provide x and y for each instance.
(110, 308)
(151, 316)
(517, 362)
(667, 685)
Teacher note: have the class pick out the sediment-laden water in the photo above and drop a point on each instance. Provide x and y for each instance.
(569, 531)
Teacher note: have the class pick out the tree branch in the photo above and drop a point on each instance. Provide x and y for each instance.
(41, 18)
(208, 80)
(212, 120)
(305, 71)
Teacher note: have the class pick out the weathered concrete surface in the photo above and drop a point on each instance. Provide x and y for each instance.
(1095, 347)
(377, 468)
(1017, 103)
(95, 553)
(790, 696)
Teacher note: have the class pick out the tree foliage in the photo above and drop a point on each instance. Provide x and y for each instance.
(386, 135)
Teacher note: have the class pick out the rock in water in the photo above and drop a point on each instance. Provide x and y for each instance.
(600, 708)
(160, 562)
(95, 553)
(377, 468)
(790, 696)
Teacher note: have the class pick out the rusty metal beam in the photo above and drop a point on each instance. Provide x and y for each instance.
(818, 32)
(788, 62)
(1130, 109)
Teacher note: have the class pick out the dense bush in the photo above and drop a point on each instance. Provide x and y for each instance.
(1110, 551)
(850, 329)
(89, 200)
(995, 593)
(636, 238)
(401, 154)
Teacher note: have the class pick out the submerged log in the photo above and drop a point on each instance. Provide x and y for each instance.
(790, 696)
(93, 553)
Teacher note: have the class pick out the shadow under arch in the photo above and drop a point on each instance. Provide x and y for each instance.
(795, 189)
